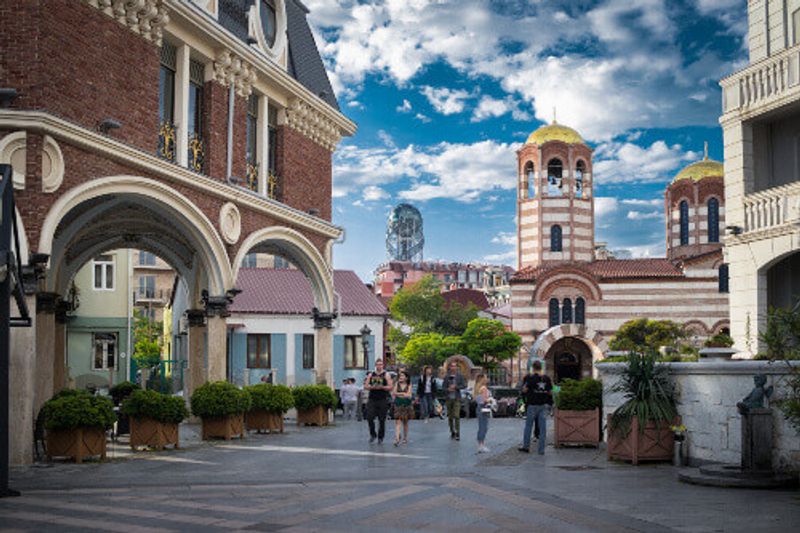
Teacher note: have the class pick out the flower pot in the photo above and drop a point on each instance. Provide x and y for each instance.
(264, 421)
(316, 416)
(655, 443)
(576, 427)
(717, 354)
(223, 427)
(76, 443)
(154, 434)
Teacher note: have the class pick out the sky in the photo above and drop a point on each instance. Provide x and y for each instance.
(444, 93)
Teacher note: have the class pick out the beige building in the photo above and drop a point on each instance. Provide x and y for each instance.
(152, 283)
(761, 129)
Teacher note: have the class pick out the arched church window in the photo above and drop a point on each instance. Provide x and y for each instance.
(555, 238)
(724, 279)
(580, 310)
(553, 312)
(530, 179)
(684, 222)
(555, 170)
(566, 311)
(713, 220)
(580, 168)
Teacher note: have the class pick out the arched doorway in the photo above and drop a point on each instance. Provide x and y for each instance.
(568, 358)
(783, 283)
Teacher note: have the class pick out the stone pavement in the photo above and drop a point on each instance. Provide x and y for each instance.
(331, 479)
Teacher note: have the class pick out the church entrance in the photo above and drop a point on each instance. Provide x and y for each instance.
(568, 358)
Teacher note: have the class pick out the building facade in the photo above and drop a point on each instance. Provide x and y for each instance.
(569, 297)
(761, 129)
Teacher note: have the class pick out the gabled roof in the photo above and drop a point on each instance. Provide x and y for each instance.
(466, 297)
(272, 291)
(610, 269)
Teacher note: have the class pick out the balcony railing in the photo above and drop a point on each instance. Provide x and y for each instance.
(166, 141)
(773, 208)
(761, 82)
(151, 296)
(197, 154)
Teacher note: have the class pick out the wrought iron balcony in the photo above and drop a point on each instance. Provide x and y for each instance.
(197, 154)
(274, 188)
(251, 178)
(765, 81)
(166, 141)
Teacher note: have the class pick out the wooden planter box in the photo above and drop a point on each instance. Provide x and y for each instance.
(224, 427)
(577, 427)
(76, 443)
(317, 416)
(264, 421)
(149, 432)
(654, 444)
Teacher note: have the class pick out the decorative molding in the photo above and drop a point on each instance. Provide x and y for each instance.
(52, 165)
(230, 223)
(13, 147)
(306, 120)
(196, 318)
(230, 69)
(144, 17)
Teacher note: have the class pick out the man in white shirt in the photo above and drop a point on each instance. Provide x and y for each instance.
(349, 395)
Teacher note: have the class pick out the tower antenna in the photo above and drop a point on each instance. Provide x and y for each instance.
(554, 115)
(705, 151)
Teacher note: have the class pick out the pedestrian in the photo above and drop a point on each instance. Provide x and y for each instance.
(538, 393)
(454, 383)
(379, 384)
(426, 392)
(484, 400)
(349, 394)
(403, 409)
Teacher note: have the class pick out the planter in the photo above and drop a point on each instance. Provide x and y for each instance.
(264, 421)
(223, 427)
(717, 354)
(576, 427)
(655, 443)
(316, 416)
(149, 432)
(76, 443)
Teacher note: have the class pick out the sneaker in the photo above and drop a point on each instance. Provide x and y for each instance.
(452, 435)
(380, 441)
(483, 449)
(457, 437)
(371, 440)
(524, 449)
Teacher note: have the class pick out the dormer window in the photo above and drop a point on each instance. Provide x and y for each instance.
(267, 26)
(269, 21)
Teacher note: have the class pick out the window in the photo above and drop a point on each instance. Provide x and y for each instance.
(272, 127)
(555, 238)
(353, 352)
(580, 168)
(580, 310)
(166, 103)
(250, 261)
(103, 273)
(268, 21)
(252, 142)
(195, 127)
(147, 286)
(105, 350)
(149, 313)
(281, 263)
(566, 311)
(308, 351)
(146, 258)
(530, 179)
(724, 279)
(713, 220)
(684, 222)
(796, 26)
(258, 352)
(553, 312)
(554, 174)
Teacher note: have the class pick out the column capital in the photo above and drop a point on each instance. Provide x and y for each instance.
(196, 317)
(322, 320)
(62, 308)
(33, 272)
(47, 302)
(218, 305)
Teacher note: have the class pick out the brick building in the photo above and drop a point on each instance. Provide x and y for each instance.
(569, 296)
(199, 131)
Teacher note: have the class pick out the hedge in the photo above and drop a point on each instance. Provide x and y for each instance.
(583, 395)
(219, 398)
(270, 398)
(72, 409)
(307, 397)
(152, 404)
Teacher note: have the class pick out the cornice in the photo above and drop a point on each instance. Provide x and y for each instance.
(59, 128)
(309, 122)
(230, 69)
(144, 17)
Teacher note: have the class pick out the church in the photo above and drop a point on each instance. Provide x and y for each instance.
(569, 295)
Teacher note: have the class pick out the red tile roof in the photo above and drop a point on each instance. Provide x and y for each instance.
(288, 292)
(611, 269)
(466, 297)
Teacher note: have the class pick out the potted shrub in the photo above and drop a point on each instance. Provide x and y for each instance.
(639, 429)
(221, 406)
(577, 414)
(720, 346)
(312, 403)
(269, 403)
(154, 418)
(76, 423)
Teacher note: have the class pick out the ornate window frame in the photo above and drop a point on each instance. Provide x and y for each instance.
(275, 51)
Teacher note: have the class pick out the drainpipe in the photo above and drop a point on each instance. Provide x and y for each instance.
(129, 306)
(230, 133)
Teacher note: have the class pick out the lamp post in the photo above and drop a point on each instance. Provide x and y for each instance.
(365, 333)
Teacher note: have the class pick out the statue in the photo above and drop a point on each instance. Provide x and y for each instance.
(755, 400)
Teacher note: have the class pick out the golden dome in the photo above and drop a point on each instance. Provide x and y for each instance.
(701, 169)
(555, 132)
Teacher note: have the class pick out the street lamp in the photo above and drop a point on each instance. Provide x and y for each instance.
(365, 333)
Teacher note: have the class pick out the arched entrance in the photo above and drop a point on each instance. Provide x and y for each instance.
(783, 282)
(569, 358)
(585, 344)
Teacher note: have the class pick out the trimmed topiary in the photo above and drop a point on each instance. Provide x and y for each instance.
(159, 407)
(122, 390)
(270, 398)
(307, 397)
(73, 409)
(583, 395)
(218, 399)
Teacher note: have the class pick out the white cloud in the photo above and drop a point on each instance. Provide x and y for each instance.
(655, 249)
(630, 163)
(501, 258)
(639, 215)
(604, 206)
(505, 237)
(355, 104)
(422, 118)
(445, 101)
(373, 193)
(405, 107)
(643, 203)
(489, 107)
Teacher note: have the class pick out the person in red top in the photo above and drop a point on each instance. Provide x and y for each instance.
(537, 390)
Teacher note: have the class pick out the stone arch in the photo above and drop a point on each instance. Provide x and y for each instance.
(594, 340)
(720, 325)
(465, 365)
(299, 250)
(24, 249)
(191, 222)
(566, 276)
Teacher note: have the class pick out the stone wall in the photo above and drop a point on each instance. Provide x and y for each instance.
(707, 393)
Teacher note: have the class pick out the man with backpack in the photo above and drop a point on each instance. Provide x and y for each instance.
(537, 390)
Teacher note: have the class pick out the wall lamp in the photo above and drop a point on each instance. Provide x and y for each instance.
(108, 124)
(734, 230)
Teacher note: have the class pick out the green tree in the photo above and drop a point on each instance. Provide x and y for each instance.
(422, 307)
(147, 335)
(486, 342)
(429, 349)
(641, 333)
(397, 339)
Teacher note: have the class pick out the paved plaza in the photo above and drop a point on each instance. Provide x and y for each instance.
(331, 479)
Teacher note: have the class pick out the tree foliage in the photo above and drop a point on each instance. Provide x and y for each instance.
(486, 342)
(147, 336)
(429, 349)
(422, 307)
(642, 333)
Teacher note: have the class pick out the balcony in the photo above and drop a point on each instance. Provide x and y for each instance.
(147, 296)
(774, 210)
(767, 81)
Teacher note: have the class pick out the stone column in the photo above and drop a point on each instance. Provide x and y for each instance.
(22, 381)
(323, 323)
(196, 351)
(60, 349)
(217, 348)
(46, 304)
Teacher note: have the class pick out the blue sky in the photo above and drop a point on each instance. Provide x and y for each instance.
(444, 92)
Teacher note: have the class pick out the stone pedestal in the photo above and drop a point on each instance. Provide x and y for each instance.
(757, 440)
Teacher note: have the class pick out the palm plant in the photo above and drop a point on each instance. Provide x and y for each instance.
(650, 396)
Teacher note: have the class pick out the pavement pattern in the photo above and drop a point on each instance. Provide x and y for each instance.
(331, 479)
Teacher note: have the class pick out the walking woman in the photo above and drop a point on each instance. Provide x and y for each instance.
(403, 408)
(483, 398)
(426, 391)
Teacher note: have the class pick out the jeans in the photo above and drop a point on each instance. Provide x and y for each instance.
(377, 409)
(454, 415)
(539, 414)
(350, 410)
(483, 425)
(426, 405)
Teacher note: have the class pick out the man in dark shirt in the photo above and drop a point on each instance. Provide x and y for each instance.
(538, 393)
(378, 383)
